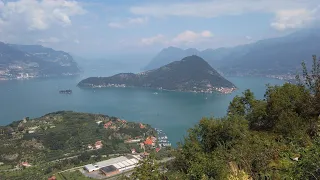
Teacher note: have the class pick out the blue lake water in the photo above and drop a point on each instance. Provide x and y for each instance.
(173, 112)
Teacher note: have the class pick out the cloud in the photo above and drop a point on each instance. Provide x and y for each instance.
(128, 22)
(154, 40)
(288, 13)
(115, 25)
(39, 15)
(248, 38)
(188, 36)
(183, 38)
(49, 40)
(291, 19)
(137, 20)
(214, 8)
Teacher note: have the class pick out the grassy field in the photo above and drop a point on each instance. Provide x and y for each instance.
(5, 167)
(74, 175)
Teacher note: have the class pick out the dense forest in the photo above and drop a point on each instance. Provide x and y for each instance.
(273, 138)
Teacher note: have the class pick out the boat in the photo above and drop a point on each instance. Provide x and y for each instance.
(68, 91)
(155, 93)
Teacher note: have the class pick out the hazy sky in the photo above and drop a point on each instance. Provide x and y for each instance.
(145, 26)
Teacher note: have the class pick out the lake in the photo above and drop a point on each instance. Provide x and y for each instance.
(173, 112)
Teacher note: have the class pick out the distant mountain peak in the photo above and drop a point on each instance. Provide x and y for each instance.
(171, 48)
(27, 61)
(273, 56)
(168, 55)
(193, 58)
(192, 74)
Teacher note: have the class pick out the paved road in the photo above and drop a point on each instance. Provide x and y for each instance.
(166, 159)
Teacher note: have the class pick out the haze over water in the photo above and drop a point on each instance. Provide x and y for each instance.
(173, 112)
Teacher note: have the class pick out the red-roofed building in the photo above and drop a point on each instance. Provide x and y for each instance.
(25, 164)
(158, 149)
(142, 126)
(106, 125)
(148, 141)
(52, 178)
(98, 145)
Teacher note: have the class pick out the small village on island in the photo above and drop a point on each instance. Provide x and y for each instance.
(208, 89)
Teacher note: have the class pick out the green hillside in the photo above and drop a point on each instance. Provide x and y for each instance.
(274, 138)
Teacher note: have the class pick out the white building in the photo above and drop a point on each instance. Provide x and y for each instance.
(122, 163)
(91, 167)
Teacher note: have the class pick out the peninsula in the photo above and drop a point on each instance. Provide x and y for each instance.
(36, 148)
(191, 74)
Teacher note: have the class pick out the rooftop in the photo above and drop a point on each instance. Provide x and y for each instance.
(118, 162)
(91, 167)
(111, 161)
(109, 169)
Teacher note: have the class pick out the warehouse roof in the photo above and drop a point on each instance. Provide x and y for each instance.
(109, 169)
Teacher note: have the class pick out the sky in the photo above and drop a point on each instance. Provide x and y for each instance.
(104, 27)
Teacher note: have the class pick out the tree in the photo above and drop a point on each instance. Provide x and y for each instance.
(287, 107)
(311, 80)
(241, 105)
(84, 157)
(148, 169)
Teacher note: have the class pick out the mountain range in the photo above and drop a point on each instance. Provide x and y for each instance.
(22, 61)
(273, 56)
(191, 74)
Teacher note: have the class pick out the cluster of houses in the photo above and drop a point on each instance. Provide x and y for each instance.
(152, 141)
(111, 125)
(148, 142)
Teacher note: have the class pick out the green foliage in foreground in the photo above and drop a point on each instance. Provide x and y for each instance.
(273, 138)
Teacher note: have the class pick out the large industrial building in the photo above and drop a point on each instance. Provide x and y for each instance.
(114, 166)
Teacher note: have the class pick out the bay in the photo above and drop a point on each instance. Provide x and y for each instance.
(173, 112)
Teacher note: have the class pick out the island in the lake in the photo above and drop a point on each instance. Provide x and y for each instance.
(191, 74)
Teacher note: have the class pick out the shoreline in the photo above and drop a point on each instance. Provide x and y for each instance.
(230, 90)
(38, 77)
